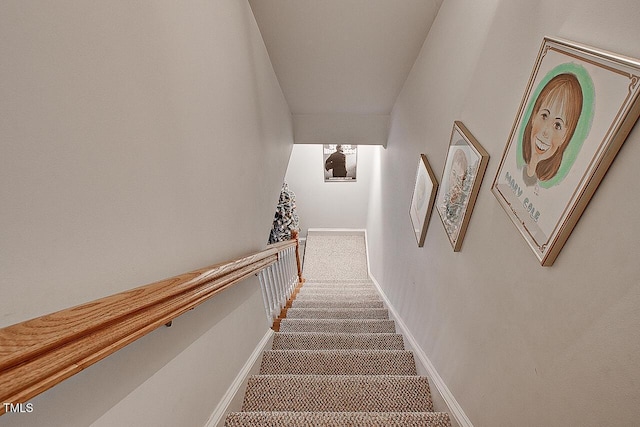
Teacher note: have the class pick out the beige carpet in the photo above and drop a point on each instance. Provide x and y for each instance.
(337, 360)
(335, 257)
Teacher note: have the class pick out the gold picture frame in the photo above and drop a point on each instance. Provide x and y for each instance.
(462, 176)
(577, 110)
(424, 194)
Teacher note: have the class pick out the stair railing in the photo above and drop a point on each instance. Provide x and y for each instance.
(37, 354)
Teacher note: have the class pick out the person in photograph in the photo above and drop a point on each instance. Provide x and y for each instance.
(337, 162)
(550, 127)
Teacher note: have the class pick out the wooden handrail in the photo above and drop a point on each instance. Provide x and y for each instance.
(39, 353)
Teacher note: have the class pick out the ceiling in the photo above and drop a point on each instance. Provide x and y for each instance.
(342, 63)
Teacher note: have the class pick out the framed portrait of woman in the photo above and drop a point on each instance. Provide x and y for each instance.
(461, 179)
(578, 107)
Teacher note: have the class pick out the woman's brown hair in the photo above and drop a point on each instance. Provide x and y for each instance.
(566, 88)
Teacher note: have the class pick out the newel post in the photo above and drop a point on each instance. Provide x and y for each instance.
(294, 235)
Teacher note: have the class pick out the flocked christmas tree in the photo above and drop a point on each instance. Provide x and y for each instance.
(286, 218)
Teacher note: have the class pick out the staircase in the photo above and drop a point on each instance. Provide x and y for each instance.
(337, 361)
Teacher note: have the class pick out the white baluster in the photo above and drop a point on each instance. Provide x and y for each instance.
(287, 270)
(265, 295)
(281, 285)
(293, 267)
(276, 290)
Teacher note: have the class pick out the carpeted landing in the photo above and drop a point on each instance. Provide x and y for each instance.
(337, 361)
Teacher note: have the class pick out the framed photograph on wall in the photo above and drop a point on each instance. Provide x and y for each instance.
(578, 108)
(340, 162)
(424, 194)
(461, 179)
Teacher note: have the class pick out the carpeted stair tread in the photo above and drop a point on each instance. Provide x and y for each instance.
(329, 341)
(337, 303)
(339, 285)
(338, 393)
(345, 281)
(335, 289)
(371, 294)
(338, 297)
(338, 325)
(329, 286)
(338, 419)
(338, 362)
(337, 313)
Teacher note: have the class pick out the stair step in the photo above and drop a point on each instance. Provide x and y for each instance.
(340, 285)
(338, 362)
(317, 303)
(338, 297)
(338, 419)
(328, 341)
(338, 393)
(328, 285)
(337, 313)
(338, 325)
(325, 285)
(339, 282)
(340, 292)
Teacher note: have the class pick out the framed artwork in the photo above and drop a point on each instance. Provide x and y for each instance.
(424, 194)
(461, 179)
(578, 108)
(340, 162)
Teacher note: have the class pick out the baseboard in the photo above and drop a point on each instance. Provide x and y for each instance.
(425, 365)
(218, 415)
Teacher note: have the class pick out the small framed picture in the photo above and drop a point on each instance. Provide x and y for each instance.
(461, 179)
(340, 162)
(424, 194)
(578, 108)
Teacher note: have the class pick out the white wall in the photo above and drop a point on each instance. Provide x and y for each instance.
(138, 140)
(518, 344)
(329, 204)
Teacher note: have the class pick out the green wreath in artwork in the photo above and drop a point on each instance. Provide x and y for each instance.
(555, 124)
